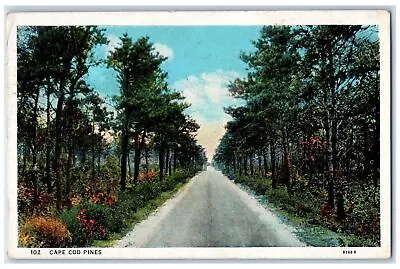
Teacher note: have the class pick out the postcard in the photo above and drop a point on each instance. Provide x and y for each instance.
(199, 135)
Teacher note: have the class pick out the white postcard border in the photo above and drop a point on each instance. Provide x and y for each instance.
(329, 17)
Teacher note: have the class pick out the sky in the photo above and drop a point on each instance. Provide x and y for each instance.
(202, 60)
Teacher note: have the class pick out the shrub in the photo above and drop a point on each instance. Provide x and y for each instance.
(92, 221)
(358, 241)
(99, 220)
(28, 204)
(78, 232)
(147, 176)
(180, 176)
(25, 198)
(93, 228)
(128, 203)
(148, 190)
(102, 198)
(42, 231)
(363, 214)
(109, 174)
(279, 196)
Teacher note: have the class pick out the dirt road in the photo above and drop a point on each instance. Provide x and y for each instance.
(211, 211)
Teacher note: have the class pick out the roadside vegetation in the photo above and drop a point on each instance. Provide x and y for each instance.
(88, 163)
(307, 136)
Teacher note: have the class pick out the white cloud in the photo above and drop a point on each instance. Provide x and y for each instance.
(114, 42)
(164, 50)
(208, 94)
(208, 87)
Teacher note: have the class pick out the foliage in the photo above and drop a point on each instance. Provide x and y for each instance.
(29, 204)
(42, 231)
(259, 185)
(79, 235)
(361, 225)
(147, 176)
(90, 221)
(310, 124)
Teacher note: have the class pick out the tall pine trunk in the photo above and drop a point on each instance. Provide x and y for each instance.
(169, 166)
(70, 163)
(286, 158)
(273, 163)
(146, 159)
(93, 151)
(161, 159)
(166, 160)
(129, 164)
(175, 162)
(124, 155)
(137, 158)
(58, 146)
(35, 150)
(265, 153)
(240, 164)
(251, 165)
(234, 163)
(245, 164)
(99, 151)
(48, 143)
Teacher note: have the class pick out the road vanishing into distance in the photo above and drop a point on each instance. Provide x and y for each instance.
(211, 211)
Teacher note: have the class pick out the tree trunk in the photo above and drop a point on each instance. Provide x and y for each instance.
(24, 154)
(99, 160)
(129, 163)
(331, 128)
(265, 161)
(136, 159)
(34, 150)
(286, 159)
(234, 163)
(259, 163)
(273, 163)
(166, 160)
(70, 163)
(124, 154)
(175, 160)
(251, 165)
(84, 155)
(146, 159)
(340, 205)
(245, 164)
(48, 143)
(169, 166)
(93, 151)
(240, 164)
(58, 147)
(71, 146)
(161, 159)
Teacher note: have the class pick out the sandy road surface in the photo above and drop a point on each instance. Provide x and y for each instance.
(211, 211)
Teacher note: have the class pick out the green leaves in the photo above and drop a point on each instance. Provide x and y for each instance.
(306, 82)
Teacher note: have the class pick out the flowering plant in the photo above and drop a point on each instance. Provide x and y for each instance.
(93, 228)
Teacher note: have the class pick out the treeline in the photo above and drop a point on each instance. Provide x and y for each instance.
(68, 135)
(311, 120)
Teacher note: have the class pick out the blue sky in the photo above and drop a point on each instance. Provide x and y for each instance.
(202, 61)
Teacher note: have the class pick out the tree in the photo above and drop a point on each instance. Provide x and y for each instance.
(59, 59)
(314, 89)
(138, 67)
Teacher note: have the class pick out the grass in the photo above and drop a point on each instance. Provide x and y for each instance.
(138, 216)
(307, 226)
